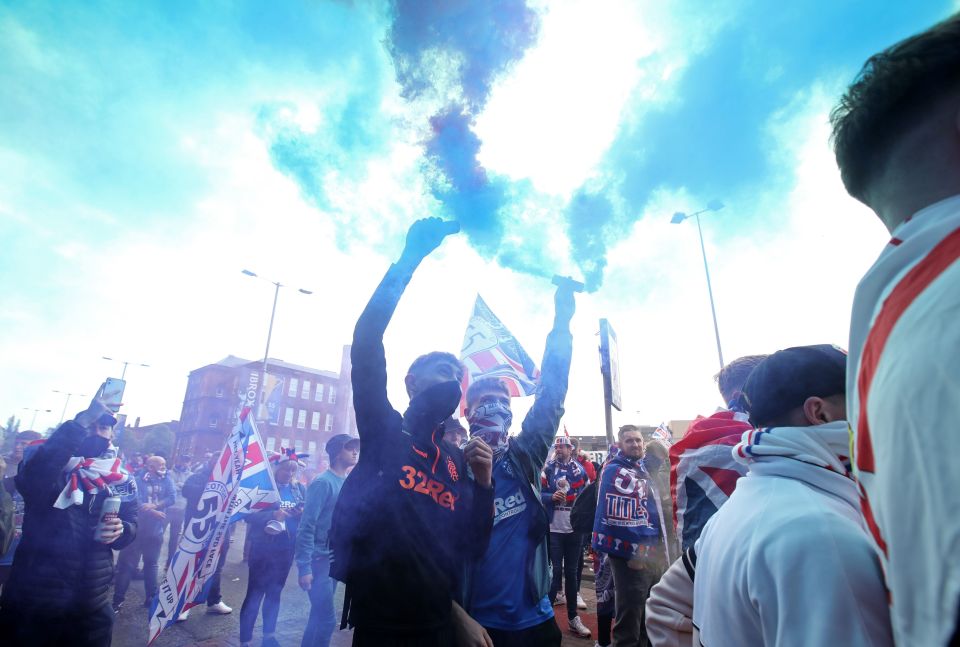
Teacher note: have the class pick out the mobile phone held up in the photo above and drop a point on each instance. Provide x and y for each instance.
(111, 393)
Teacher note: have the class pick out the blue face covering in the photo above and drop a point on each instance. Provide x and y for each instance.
(491, 423)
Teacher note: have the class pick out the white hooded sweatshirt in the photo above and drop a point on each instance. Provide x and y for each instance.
(788, 560)
(903, 401)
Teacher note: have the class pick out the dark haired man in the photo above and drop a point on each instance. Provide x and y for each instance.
(703, 473)
(629, 528)
(897, 140)
(313, 540)
(410, 516)
(511, 583)
(788, 560)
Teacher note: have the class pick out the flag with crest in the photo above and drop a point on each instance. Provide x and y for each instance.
(490, 350)
(240, 482)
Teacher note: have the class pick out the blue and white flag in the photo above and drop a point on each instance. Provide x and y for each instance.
(241, 482)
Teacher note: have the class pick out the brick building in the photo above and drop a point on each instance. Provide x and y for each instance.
(298, 406)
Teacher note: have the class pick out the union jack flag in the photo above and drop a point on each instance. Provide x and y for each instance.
(490, 350)
(703, 473)
(241, 482)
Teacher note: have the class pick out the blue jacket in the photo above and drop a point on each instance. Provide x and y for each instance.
(528, 451)
(159, 491)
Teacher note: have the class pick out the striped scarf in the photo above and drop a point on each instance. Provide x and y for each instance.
(90, 476)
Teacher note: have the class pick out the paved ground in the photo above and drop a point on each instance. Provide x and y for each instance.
(202, 630)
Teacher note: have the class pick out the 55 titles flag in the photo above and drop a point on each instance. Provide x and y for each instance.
(240, 482)
(490, 350)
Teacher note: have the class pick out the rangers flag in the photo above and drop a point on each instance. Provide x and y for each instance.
(703, 473)
(241, 482)
(489, 350)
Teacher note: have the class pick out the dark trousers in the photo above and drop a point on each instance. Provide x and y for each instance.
(147, 546)
(213, 595)
(545, 634)
(604, 622)
(372, 637)
(633, 589)
(323, 619)
(175, 519)
(585, 539)
(564, 554)
(269, 567)
(79, 629)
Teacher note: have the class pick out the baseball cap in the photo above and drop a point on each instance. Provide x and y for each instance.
(563, 440)
(339, 442)
(783, 381)
(107, 419)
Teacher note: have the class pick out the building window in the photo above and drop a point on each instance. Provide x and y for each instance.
(292, 391)
(312, 448)
(305, 390)
(318, 396)
(213, 421)
(288, 417)
(332, 395)
(284, 443)
(328, 423)
(271, 443)
(315, 421)
(298, 446)
(302, 419)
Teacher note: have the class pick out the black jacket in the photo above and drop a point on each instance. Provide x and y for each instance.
(409, 517)
(58, 567)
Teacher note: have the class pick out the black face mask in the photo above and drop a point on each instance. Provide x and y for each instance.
(435, 404)
(93, 446)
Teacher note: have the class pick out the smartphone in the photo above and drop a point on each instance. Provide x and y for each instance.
(111, 393)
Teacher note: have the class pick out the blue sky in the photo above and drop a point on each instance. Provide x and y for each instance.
(152, 150)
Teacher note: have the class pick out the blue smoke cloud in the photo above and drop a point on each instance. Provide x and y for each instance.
(485, 38)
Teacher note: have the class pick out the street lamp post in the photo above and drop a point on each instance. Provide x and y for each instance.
(66, 403)
(266, 353)
(125, 363)
(33, 421)
(678, 217)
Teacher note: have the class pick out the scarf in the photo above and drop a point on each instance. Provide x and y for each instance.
(628, 510)
(90, 476)
(491, 423)
(816, 455)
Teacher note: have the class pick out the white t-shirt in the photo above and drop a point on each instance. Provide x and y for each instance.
(903, 401)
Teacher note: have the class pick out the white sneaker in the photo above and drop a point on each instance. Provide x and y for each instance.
(219, 609)
(577, 627)
(580, 603)
(183, 616)
(561, 600)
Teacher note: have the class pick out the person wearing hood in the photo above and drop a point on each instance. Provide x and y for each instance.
(703, 473)
(788, 559)
(510, 594)
(57, 593)
(629, 528)
(156, 492)
(415, 510)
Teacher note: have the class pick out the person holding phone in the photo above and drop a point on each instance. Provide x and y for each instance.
(59, 582)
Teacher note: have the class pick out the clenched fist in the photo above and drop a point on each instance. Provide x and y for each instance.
(479, 457)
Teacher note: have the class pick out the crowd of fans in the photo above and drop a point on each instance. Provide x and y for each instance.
(815, 508)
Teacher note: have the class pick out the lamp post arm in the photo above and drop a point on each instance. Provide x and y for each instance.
(266, 353)
(713, 309)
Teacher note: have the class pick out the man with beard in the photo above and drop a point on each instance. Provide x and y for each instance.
(57, 592)
(629, 528)
(511, 583)
(410, 516)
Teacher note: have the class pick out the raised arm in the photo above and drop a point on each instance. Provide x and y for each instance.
(368, 358)
(541, 423)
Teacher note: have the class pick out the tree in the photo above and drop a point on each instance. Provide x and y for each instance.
(159, 440)
(9, 433)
